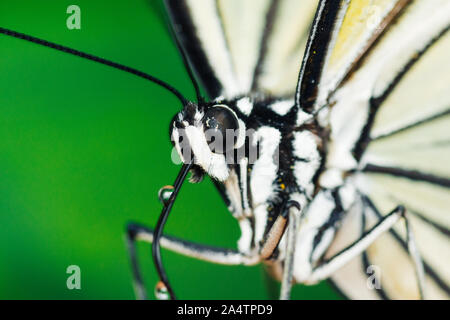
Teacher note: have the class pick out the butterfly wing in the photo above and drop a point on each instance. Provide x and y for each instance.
(237, 47)
(386, 77)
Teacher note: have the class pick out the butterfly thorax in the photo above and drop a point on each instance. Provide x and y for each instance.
(276, 155)
(289, 158)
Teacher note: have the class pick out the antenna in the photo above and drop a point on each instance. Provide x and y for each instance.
(87, 56)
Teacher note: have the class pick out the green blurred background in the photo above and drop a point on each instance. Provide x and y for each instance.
(84, 149)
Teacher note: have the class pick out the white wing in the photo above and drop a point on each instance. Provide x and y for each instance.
(241, 46)
(387, 79)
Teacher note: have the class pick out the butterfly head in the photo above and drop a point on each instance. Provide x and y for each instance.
(207, 135)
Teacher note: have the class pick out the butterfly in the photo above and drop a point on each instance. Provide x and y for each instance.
(359, 128)
(338, 166)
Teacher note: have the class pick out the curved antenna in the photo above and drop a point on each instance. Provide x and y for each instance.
(156, 249)
(87, 56)
(187, 67)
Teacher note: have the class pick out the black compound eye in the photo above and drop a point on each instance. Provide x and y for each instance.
(221, 128)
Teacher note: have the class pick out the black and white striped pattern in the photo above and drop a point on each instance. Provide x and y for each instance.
(364, 130)
(396, 142)
(237, 47)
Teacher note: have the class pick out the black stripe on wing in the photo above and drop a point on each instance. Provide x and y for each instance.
(435, 225)
(185, 31)
(414, 175)
(323, 29)
(409, 174)
(333, 222)
(158, 8)
(377, 102)
(413, 125)
(378, 34)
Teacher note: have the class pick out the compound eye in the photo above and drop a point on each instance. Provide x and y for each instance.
(221, 128)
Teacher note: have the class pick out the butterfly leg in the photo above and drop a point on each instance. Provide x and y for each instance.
(288, 270)
(327, 268)
(411, 246)
(137, 232)
(288, 219)
(276, 232)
